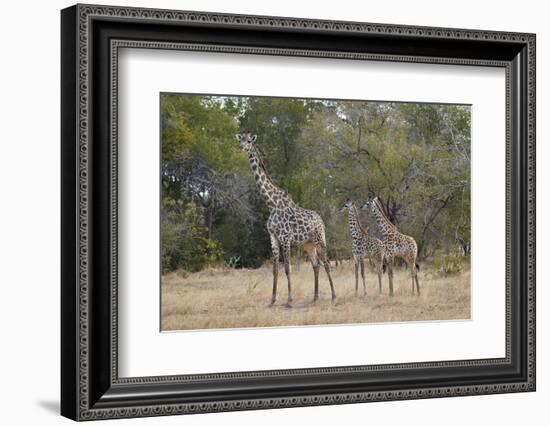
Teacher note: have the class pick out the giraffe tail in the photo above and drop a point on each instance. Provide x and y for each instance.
(384, 265)
(417, 267)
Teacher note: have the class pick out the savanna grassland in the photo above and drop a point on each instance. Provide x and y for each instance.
(239, 298)
(415, 158)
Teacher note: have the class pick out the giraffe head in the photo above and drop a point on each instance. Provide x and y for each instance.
(246, 140)
(377, 211)
(347, 206)
(370, 204)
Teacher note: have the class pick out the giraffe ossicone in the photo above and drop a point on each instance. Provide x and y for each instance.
(288, 224)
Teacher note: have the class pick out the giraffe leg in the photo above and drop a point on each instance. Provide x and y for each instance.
(412, 277)
(356, 262)
(390, 275)
(379, 270)
(413, 270)
(312, 252)
(316, 277)
(275, 276)
(322, 253)
(275, 259)
(286, 258)
(362, 263)
(416, 277)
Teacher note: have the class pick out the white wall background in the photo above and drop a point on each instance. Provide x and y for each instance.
(29, 212)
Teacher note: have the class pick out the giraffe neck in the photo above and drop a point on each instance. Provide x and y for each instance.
(275, 197)
(355, 222)
(358, 220)
(386, 227)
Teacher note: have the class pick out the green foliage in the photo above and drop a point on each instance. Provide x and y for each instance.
(199, 126)
(278, 123)
(246, 243)
(183, 243)
(415, 157)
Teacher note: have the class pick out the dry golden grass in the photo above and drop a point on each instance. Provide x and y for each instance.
(229, 298)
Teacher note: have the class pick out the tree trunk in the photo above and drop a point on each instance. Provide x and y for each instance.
(209, 218)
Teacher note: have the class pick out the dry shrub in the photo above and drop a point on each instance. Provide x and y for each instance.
(450, 262)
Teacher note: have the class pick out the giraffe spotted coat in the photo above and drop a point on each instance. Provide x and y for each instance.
(288, 223)
(363, 246)
(396, 244)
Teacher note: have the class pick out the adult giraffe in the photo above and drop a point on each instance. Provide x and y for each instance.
(288, 224)
(396, 244)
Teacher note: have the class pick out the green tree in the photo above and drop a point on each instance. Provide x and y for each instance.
(183, 242)
(415, 157)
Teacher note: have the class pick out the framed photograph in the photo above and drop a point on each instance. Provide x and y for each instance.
(263, 212)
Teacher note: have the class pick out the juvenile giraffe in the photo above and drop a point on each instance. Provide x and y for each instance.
(396, 244)
(363, 245)
(288, 223)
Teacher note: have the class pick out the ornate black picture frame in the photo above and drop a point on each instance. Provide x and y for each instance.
(90, 385)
